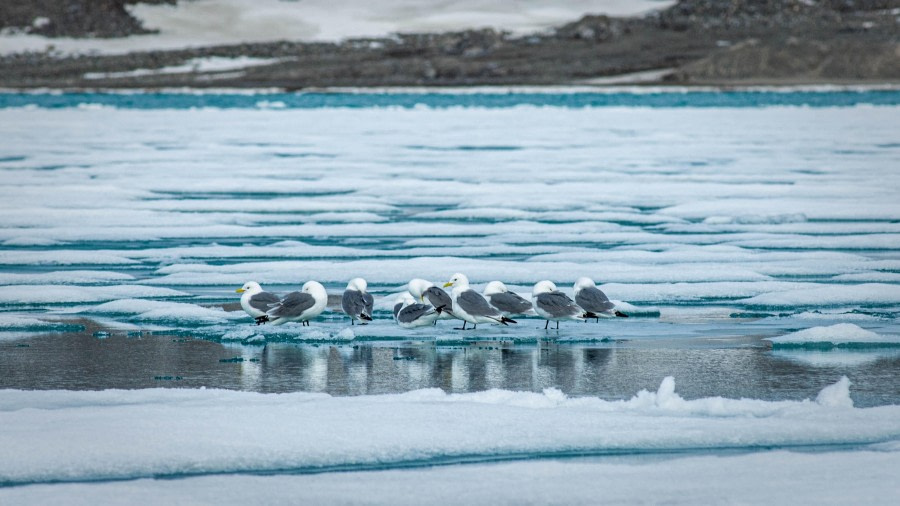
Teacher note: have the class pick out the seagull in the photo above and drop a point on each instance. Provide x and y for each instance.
(410, 314)
(594, 302)
(300, 306)
(255, 301)
(509, 303)
(470, 306)
(551, 304)
(426, 292)
(357, 303)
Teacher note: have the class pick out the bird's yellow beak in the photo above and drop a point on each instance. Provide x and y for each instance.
(240, 290)
(422, 298)
(448, 283)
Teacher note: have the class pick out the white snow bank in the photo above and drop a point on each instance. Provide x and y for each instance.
(42, 294)
(162, 311)
(841, 333)
(62, 277)
(208, 64)
(845, 477)
(201, 22)
(829, 295)
(90, 435)
(26, 322)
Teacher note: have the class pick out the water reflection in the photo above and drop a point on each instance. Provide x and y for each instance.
(701, 368)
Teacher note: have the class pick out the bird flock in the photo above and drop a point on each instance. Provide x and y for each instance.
(424, 303)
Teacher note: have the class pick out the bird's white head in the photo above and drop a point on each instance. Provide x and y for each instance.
(357, 284)
(543, 287)
(583, 283)
(457, 280)
(417, 287)
(249, 286)
(495, 287)
(314, 288)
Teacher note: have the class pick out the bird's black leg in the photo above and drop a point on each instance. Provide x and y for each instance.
(351, 321)
(546, 324)
(461, 328)
(474, 325)
(557, 324)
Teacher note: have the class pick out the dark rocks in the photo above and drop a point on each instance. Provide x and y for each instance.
(72, 18)
(594, 28)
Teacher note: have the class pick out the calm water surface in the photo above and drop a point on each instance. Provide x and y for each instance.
(734, 368)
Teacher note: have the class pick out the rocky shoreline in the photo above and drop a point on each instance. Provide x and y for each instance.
(695, 42)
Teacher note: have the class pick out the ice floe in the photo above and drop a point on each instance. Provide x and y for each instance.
(836, 335)
(66, 436)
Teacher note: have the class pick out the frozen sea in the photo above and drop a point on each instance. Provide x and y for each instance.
(753, 237)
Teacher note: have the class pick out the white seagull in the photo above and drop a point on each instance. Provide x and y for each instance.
(470, 306)
(356, 302)
(409, 314)
(300, 306)
(509, 303)
(425, 292)
(594, 302)
(255, 301)
(551, 304)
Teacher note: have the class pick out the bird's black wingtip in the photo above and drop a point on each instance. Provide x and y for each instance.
(621, 314)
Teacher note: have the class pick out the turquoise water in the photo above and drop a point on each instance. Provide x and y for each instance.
(362, 100)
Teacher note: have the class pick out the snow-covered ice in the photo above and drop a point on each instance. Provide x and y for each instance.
(79, 436)
(761, 219)
(836, 335)
(769, 477)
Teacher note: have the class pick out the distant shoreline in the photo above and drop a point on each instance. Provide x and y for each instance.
(636, 88)
(693, 43)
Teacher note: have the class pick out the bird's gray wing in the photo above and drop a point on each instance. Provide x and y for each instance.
(594, 300)
(353, 303)
(262, 300)
(557, 304)
(370, 303)
(413, 312)
(438, 298)
(473, 303)
(510, 302)
(292, 305)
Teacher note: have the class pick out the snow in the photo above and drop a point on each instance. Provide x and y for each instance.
(200, 23)
(88, 435)
(838, 334)
(63, 277)
(637, 198)
(208, 64)
(9, 321)
(167, 312)
(820, 478)
(837, 395)
(867, 293)
(56, 294)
